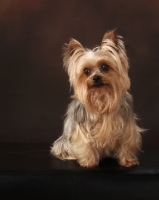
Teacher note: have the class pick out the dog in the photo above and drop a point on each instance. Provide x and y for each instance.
(99, 121)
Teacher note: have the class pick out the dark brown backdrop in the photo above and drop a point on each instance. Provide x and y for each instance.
(33, 85)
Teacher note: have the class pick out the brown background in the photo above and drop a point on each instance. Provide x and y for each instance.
(33, 85)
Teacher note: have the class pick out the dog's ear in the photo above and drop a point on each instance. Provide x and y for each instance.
(74, 45)
(109, 36)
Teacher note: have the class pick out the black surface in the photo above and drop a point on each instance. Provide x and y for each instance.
(28, 171)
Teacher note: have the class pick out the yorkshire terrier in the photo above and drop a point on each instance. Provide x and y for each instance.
(99, 121)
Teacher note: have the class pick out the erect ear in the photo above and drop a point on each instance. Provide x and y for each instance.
(73, 45)
(109, 36)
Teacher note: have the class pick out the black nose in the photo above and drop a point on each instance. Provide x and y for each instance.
(96, 78)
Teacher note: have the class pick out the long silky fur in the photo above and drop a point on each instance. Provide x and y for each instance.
(99, 121)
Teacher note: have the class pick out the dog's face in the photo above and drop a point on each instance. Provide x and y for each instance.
(99, 76)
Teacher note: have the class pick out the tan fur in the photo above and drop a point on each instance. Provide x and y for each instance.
(100, 121)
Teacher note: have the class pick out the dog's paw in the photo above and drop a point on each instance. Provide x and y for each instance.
(129, 162)
(88, 163)
(62, 154)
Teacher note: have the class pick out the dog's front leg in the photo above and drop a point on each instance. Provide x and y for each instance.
(84, 150)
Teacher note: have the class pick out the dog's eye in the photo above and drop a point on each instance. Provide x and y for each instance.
(105, 67)
(87, 71)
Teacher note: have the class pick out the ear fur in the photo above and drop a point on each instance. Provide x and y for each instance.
(73, 45)
(110, 36)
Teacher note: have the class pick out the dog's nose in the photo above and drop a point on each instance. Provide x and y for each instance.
(96, 78)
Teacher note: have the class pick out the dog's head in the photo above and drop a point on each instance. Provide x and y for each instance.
(99, 76)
